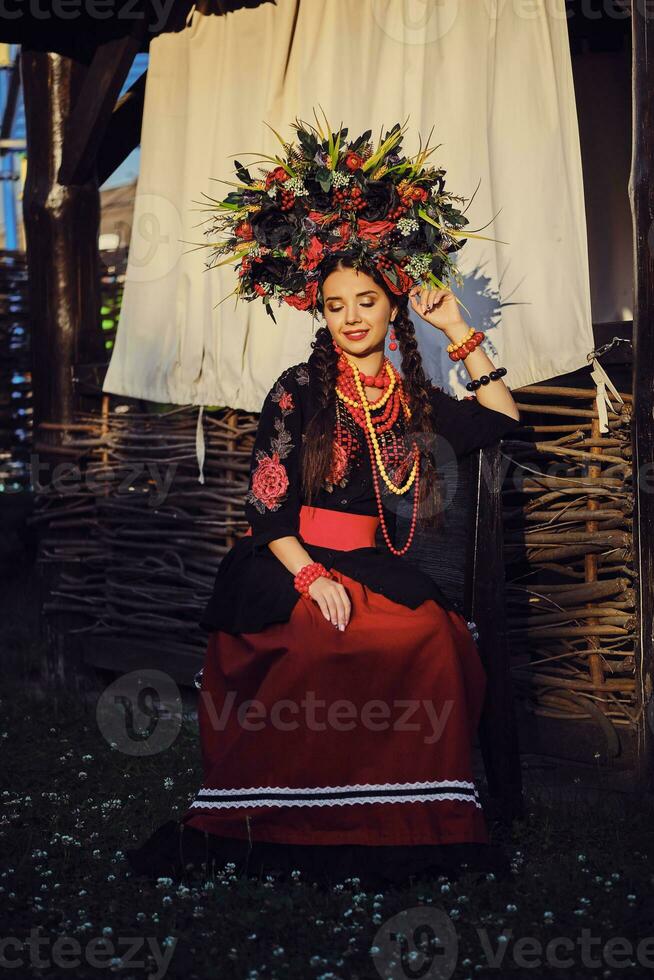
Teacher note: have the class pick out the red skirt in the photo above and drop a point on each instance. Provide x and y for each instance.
(313, 736)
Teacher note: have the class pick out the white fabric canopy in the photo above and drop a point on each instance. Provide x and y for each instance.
(495, 82)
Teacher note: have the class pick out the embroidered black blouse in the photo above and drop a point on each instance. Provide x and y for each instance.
(253, 588)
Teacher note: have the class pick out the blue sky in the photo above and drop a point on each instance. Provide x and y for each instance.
(129, 169)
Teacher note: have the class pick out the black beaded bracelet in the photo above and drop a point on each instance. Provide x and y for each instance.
(486, 379)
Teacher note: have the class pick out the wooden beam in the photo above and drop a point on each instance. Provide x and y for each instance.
(641, 195)
(87, 124)
(498, 732)
(124, 130)
(61, 233)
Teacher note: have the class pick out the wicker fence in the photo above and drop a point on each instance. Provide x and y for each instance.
(571, 580)
(136, 538)
(132, 540)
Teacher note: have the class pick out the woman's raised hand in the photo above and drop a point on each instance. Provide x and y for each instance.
(437, 306)
(333, 600)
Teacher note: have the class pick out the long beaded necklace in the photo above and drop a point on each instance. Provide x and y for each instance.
(350, 390)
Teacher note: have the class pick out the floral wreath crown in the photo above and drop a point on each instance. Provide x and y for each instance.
(386, 210)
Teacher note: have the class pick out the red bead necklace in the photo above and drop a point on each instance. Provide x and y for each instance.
(392, 400)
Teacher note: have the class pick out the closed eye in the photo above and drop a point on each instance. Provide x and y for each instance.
(336, 309)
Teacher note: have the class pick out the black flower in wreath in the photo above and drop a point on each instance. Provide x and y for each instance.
(270, 269)
(380, 197)
(274, 228)
(320, 200)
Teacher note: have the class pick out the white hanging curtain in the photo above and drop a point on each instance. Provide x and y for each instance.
(495, 82)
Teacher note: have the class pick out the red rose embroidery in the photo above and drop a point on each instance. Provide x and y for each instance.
(270, 481)
(339, 463)
(286, 402)
(402, 471)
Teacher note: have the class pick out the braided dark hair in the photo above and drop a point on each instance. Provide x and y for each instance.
(323, 363)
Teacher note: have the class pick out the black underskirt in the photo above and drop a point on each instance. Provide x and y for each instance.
(176, 850)
(252, 591)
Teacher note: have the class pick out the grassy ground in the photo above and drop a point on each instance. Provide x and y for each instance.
(72, 804)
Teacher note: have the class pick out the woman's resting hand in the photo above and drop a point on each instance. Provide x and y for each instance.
(333, 600)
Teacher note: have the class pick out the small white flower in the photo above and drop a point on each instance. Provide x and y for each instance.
(406, 225)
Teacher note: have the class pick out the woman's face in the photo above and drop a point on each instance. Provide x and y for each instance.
(352, 301)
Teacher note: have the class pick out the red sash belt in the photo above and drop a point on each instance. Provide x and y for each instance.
(328, 528)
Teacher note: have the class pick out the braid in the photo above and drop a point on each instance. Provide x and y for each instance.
(317, 455)
(416, 386)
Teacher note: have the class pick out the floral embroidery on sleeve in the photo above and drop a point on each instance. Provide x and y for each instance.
(302, 374)
(269, 484)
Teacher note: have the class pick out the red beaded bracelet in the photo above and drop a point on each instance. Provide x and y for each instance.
(461, 352)
(307, 575)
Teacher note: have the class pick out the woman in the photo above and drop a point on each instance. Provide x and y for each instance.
(341, 688)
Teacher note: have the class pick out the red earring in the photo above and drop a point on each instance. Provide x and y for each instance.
(392, 345)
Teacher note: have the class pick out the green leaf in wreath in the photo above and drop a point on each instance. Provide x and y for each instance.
(242, 172)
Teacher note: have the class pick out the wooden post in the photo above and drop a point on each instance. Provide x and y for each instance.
(498, 733)
(641, 194)
(61, 230)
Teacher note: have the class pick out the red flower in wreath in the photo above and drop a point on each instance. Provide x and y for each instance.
(244, 230)
(312, 255)
(404, 281)
(353, 161)
(278, 174)
(270, 481)
(343, 233)
(307, 301)
(372, 231)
